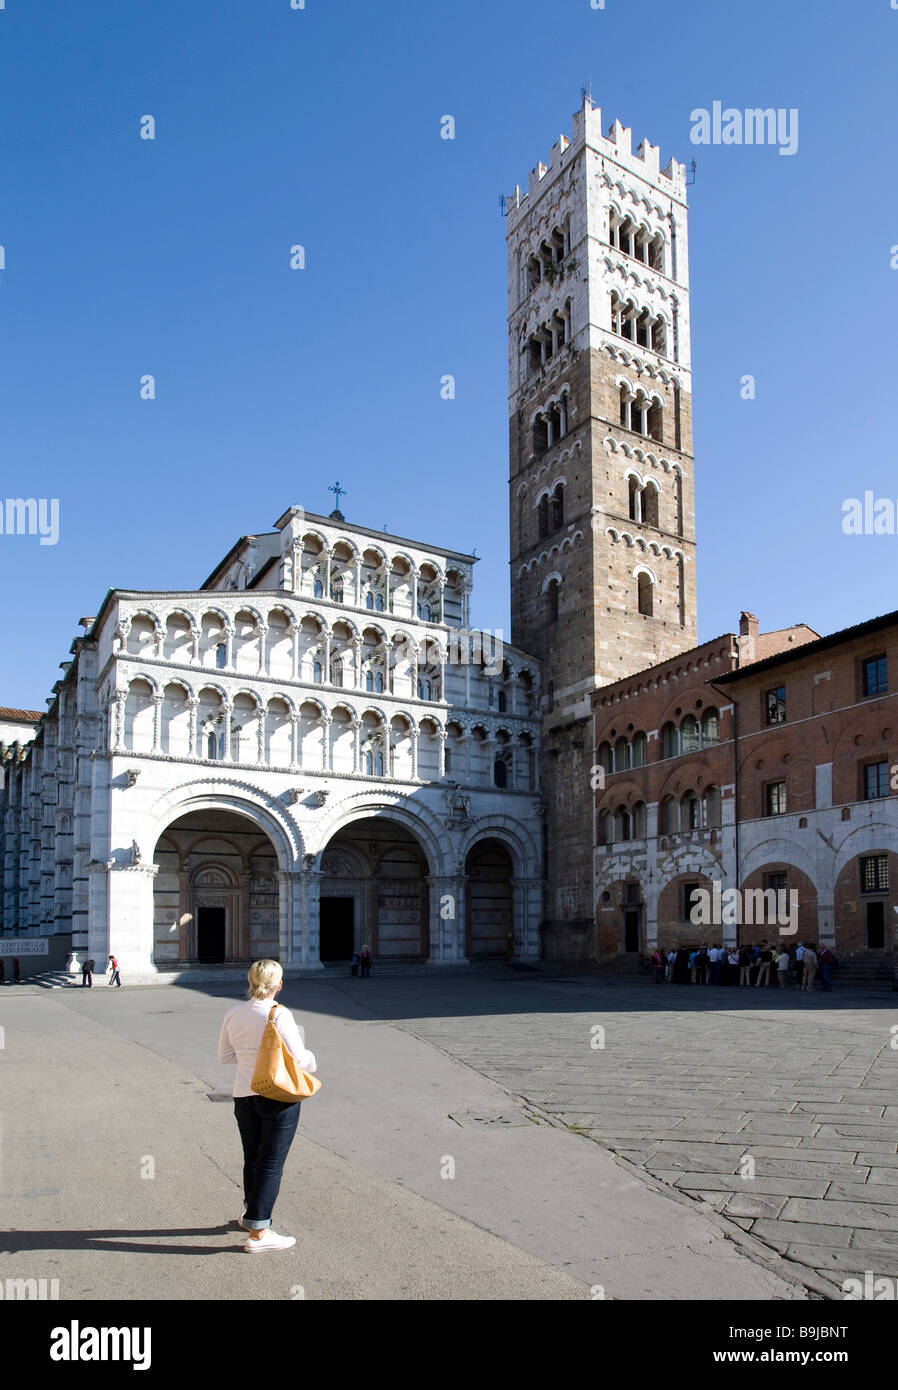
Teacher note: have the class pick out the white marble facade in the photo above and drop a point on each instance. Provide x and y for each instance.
(314, 735)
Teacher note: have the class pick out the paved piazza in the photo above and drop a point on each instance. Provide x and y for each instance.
(603, 1137)
(779, 1109)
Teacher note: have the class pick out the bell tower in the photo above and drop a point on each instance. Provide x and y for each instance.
(601, 466)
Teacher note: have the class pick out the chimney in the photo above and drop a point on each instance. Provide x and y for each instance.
(748, 636)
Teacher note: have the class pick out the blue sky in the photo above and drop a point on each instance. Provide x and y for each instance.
(322, 127)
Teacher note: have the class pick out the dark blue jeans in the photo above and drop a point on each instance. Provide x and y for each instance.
(267, 1129)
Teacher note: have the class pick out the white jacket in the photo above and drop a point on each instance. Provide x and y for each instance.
(241, 1037)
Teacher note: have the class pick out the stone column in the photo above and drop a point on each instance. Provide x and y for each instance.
(413, 739)
(118, 721)
(527, 912)
(357, 746)
(227, 711)
(263, 633)
(441, 737)
(158, 701)
(193, 705)
(326, 722)
(447, 920)
(310, 952)
(295, 742)
(358, 582)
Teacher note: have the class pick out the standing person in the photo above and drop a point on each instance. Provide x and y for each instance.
(745, 965)
(782, 967)
(87, 973)
(809, 967)
(658, 966)
(765, 961)
(701, 965)
(825, 960)
(365, 963)
(114, 978)
(267, 1127)
(671, 962)
(681, 967)
(16, 970)
(714, 958)
(732, 974)
(799, 964)
(354, 964)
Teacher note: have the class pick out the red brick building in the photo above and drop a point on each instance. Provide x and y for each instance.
(753, 762)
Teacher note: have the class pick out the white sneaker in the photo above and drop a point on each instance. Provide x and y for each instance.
(270, 1240)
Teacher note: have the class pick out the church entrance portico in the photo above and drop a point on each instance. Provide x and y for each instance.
(217, 891)
(374, 892)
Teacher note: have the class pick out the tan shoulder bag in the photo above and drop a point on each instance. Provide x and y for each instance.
(277, 1076)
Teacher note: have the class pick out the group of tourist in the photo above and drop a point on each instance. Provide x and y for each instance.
(754, 966)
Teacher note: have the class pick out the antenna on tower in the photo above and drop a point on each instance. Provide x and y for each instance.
(586, 92)
(503, 204)
(690, 178)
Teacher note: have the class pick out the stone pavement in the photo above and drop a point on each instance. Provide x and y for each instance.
(780, 1109)
(414, 1177)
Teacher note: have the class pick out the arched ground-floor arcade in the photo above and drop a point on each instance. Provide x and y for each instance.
(228, 876)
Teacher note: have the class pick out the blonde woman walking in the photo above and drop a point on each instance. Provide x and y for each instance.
(267, 1127)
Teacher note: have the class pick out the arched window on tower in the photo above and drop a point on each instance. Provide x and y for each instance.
(635, 500)
(540, 434)
(318, 589)
(558, 507)
(543, 516)
(646, 595)
(500, 773)
(655, 424)
(650, 505)
(552, 600)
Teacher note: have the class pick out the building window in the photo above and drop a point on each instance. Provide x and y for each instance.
(318, 589)
(670, 741)
(558, 507)
(221, 655)
(552, 596)
(875, 873)
(500, 773)
(689, 735)
(876, 678)
(543, 516)
(710, 727)
(424, 689)
(876, 781)
(645, 595)
(337, 589)
(778, 882)
(502, 702)
(775, 701)
(318, 673)
(775, 799)
(374, 763)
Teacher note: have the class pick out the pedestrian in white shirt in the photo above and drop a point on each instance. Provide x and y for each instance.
(267, 1127)
(782, 967)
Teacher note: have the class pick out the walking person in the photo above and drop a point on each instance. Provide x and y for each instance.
(114, 978)
(782, 967)
(745, 965)
(809, 967)
(365, 963)
(354, 965)
(87, 973)
(765, 961)
(267, 1127)
(658, 966)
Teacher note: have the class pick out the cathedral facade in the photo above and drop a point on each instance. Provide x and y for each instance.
(310, 753)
